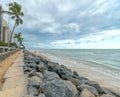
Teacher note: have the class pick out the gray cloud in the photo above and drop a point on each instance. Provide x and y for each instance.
(51, 20)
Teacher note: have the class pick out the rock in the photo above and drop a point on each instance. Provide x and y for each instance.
(65, 73)
(36, 79)
(33, 91)
(42, 95)
(31, 73)
(87, 93)
(47, 75)
(27, 69)
(37, 61)
(95, 85)
(35, 82)
(32, 65)
(34, 73)
(75, 73)
(41, 67)
(53, 66)
(74, 81)
(39, 74)
(59, 88)
(89, 88)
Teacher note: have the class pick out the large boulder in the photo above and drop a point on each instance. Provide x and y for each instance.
(34, 73)
(64, 72)
(89, 88)
(59, 88)
(53, 66)
(35, 82)
(95, 85)
(41, 67)
(47, 75)
(33, 91)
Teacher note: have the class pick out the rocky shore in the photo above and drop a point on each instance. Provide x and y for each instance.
(49, 79)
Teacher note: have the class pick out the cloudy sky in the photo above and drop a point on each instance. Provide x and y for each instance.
(70, 23)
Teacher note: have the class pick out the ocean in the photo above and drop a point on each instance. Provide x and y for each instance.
(106, 61)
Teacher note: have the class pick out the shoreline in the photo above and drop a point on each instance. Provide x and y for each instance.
(85, 71)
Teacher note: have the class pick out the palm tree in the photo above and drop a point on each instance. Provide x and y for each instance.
(19, 39)
(15, 14)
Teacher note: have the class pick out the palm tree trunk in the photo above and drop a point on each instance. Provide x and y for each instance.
(11, 34)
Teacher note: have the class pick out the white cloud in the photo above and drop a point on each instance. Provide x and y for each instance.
(86, 22)
(103, 40)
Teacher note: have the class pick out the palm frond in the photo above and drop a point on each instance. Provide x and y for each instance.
(7, 12)
(21, 21)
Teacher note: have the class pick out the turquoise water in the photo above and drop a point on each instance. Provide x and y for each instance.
(106, 61)
(105, 57)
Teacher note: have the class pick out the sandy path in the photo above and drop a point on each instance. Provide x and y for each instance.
(5, 64)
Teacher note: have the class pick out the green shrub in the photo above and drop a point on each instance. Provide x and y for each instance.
(3, 43)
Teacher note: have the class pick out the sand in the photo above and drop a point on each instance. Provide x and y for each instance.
(86, 71)
(5, 64)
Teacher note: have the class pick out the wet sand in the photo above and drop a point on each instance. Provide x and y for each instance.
(104, 80)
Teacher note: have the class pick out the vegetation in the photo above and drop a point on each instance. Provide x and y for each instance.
(6, 44)
(19, 39)
(3, 43)
(15, 12)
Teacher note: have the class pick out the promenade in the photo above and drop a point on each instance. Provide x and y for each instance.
(15, 84)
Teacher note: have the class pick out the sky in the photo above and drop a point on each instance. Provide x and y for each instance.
(69, 24)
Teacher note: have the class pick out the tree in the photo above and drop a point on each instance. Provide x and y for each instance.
(19, 39)
(15, 12)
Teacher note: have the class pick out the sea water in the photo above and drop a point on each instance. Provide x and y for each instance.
(103, 60)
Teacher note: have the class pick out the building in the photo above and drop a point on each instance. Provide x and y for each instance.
(1, 20)
(5, 32)
(4, 29)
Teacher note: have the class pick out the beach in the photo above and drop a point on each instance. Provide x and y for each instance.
(105, 80)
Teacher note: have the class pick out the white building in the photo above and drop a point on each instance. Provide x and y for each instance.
(4, 29)
(6, 32)
(1, 20)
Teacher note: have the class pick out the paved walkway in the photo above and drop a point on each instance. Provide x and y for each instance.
(15, 84)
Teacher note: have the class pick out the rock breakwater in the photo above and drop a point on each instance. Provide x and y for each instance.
(49, 79)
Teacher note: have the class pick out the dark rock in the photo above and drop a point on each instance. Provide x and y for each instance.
(59, 88)
(53, 66)
(32, 65)
(47, 75)
(75, 73)
(33, 91)
(95, 85)
(65, 73)
(37, 62)
(27, 69)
